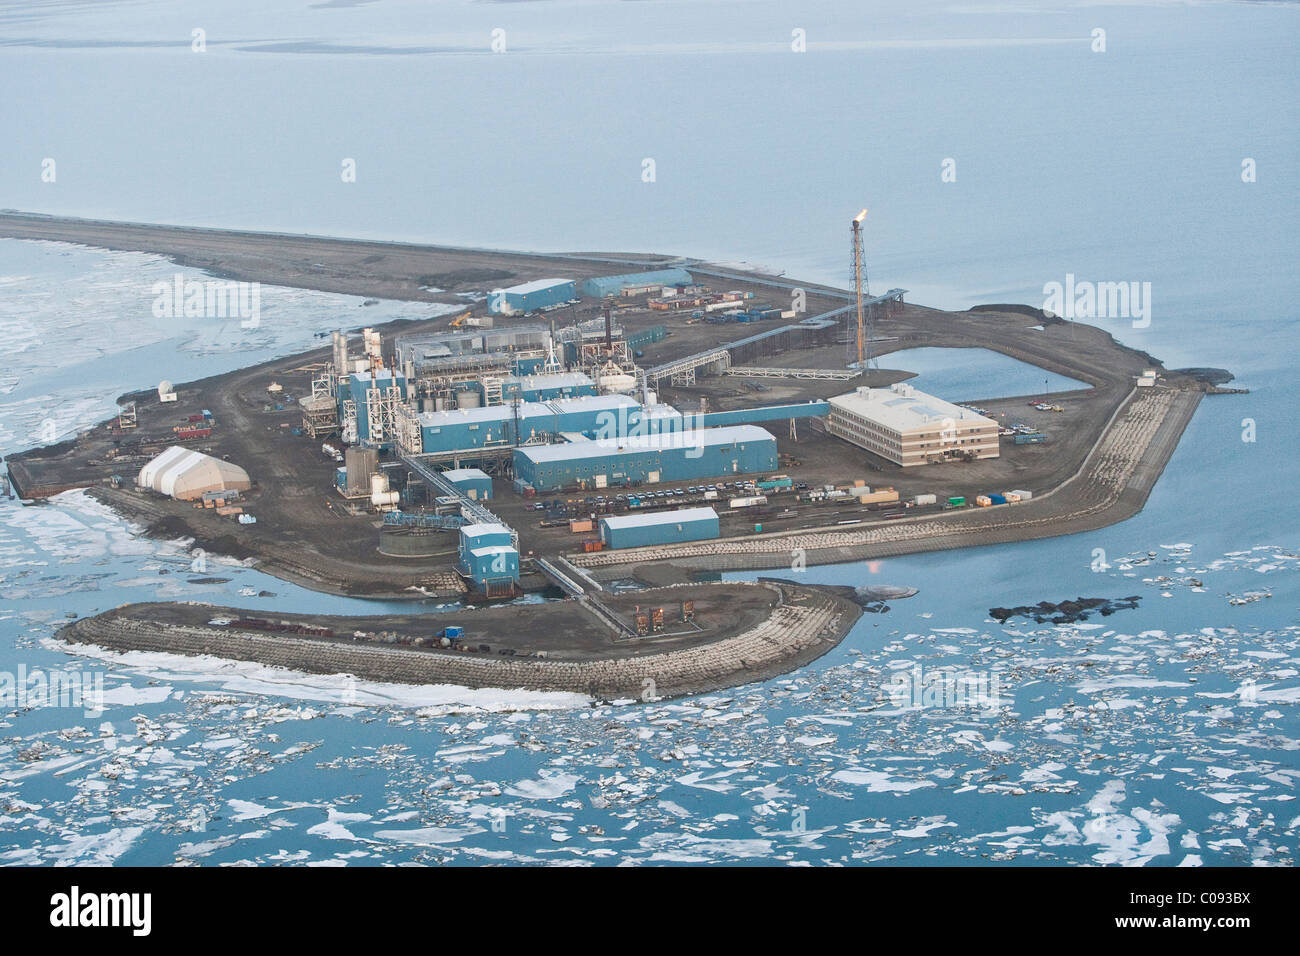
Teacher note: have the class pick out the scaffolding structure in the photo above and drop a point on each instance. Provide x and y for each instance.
(320, 409)
(408, 435)
(348, 424)
(319, 416)
(381, 413)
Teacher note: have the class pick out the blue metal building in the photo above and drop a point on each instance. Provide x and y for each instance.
(530, 296)
(494, 425)
(489, 556)
(664, 527)
(656, 333)
(474, 483)
(651, 458)
(547, 386)
(357, 386)
(766, 413)
(633, 282)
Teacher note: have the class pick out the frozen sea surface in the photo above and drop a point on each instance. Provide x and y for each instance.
(1164, 735)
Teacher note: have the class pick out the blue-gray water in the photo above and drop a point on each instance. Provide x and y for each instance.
(963, 375)
(1164, 734)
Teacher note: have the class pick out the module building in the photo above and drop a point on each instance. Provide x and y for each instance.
(546, 386)
(489, 556)
(493, 426)
(530, 296)
(647, 458)
(665, 527)
(475, 484)
(635, 283)
(909, 427)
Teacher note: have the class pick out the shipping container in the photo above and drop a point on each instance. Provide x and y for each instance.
(875, 497)
(748, 502)
(1034, 438)
(577, 526)
(1024, 495)
(925, 500)
(998, 499)
(983, 501)
(958, 502)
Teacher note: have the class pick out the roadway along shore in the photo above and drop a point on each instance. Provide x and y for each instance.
(737, 634)
(385, 270)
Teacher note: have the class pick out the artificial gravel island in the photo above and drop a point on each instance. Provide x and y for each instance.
(577, 442)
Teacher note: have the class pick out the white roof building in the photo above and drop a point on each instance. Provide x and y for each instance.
(908, 427)
(186, 474)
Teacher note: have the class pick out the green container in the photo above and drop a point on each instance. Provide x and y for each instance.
(957, 502)
(758, 529)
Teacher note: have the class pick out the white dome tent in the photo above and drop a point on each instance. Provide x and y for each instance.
(184, 474)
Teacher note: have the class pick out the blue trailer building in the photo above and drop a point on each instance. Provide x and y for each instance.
(475, 484)
(633, 283)
(530, 296)
(665, 527)
(650, 458)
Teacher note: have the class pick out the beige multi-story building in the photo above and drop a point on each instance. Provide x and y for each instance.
(909, 427)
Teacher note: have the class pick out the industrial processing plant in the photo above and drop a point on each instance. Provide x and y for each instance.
(555, 429)
(466, 429)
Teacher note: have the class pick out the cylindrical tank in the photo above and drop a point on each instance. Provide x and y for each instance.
(412, 542)
(384, 499)
(361, 464)
(378, 484)
(468, 399)
(439, 403)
